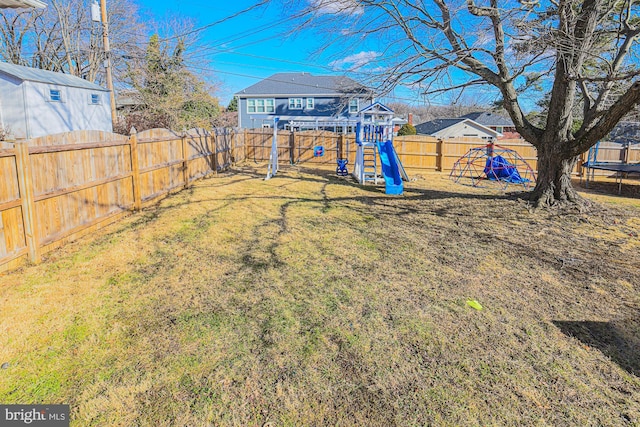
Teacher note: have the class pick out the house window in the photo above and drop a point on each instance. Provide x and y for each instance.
(295, 103)
(354, 106)
(95, 99)
(261, 106)
(499, 129)
(55, 95)
(310, 104)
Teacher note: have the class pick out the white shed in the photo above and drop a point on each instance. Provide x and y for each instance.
(37, 102)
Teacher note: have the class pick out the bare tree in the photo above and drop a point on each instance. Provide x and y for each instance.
(63, 38)
(583, 54)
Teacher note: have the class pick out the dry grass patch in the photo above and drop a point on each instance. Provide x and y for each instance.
(308, 300)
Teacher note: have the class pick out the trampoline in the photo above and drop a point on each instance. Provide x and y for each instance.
(621, 170)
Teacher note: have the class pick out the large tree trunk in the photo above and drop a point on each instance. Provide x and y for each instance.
(553, 184)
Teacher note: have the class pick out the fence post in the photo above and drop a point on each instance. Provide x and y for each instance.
(439, 154)
(214, 156)
(292, 146)
(244, 140)
(626, 153)
(135, 169)
(23, 166)
(341, 142)
(185, 160)
(232, 132)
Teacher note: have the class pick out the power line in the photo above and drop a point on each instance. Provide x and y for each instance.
(219, 21)
(297, 83)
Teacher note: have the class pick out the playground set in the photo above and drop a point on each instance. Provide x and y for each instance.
(494, 164)
(376, 158)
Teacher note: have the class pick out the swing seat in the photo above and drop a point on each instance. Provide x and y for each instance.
(341, 170)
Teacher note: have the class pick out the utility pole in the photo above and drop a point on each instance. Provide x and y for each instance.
(107, 61)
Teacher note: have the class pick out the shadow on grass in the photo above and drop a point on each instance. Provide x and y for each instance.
(617, 340)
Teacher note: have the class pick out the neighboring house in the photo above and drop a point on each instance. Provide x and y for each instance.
(456, 128)
(128, 101)
(494, 121)
(37, 102)
(626, 133)
(301, 97)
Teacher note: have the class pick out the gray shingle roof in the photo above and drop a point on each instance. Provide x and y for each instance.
(22, 4)
(625, 133)
(433, 126)
(488, 119)
(44, 76)
(304, 84)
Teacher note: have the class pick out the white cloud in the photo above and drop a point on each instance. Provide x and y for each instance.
(356, 61)
(339, 7)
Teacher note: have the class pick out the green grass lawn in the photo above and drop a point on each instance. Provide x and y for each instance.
(308, 300)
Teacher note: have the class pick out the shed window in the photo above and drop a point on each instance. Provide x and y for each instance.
(55, 95)
(95, 99)
(310, 104)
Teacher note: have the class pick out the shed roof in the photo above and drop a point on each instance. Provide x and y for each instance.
(304, 84)
(44, 76)
(19, 4)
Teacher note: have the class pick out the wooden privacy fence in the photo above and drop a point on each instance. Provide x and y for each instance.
(418, 153)
(56, 188)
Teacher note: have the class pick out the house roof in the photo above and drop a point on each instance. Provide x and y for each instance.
(625, 133)
(435, 126)
(17, 4)
(44, 76)
(304, 84)
(486, 118)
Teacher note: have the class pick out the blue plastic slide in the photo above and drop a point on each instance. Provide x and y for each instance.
(390, 171)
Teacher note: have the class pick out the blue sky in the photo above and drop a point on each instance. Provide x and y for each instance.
(245, 49)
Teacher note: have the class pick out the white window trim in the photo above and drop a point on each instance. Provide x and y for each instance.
(264, 105)
(357, 101)
(310, 104)
(296, 104)
(91, 95)
(50, 99)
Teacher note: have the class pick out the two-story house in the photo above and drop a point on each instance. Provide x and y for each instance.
(301, 97)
